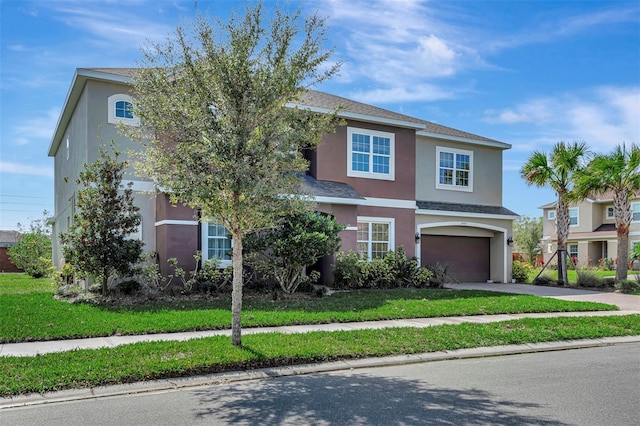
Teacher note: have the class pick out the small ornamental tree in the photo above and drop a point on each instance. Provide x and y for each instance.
(219, 125)
(32, 253)
(98, 244)
(527, 233)
(300, 240)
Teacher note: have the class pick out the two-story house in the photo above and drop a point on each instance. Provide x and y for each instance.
(592, 230)
(391, 179)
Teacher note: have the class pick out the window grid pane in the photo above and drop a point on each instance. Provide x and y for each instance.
(636, 212)
(123, 109)
(454, 164)
(360, 162)
(360, 143)
(218, 242)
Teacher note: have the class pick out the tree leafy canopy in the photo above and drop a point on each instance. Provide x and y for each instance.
(527, 233)
(218, 127)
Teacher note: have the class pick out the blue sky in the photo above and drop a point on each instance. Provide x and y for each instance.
(528, 73)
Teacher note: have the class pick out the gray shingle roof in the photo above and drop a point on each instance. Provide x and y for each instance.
(314, 98)
(324, 188)
(464, 208)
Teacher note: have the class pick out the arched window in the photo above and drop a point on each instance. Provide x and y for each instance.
(120, 110)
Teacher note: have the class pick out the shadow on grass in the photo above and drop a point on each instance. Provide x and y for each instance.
(357, 399)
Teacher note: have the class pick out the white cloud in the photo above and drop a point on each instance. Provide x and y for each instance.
(400, 47)
(423, 92)
(37, 127)
(23, 169)
(603, 117)
(113, 25)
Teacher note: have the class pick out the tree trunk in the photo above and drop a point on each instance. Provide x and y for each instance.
(562, 229)
(105, 284)
(622, 213)
(236, 294)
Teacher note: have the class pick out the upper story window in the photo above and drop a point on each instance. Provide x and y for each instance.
(371, 154)
(375, 236)
(635, 212)
(610, 214)
(120, 110)
(573, 216)
(551, 215)
(216, 243)
(455, 169)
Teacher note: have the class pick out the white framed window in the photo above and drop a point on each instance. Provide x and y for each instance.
(573, 216)
(454, 170)
(376, 236)
(370, 154)
(572, 250)
(610, 214)
(551, 215)
(635, 212)
(120, 110)
(216, 243)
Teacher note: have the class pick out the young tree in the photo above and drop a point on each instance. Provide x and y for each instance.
(284, 252)
(32, 252)
(527, 233)
(556, 171)
(218, 128)
(619, 173)
(98, 243)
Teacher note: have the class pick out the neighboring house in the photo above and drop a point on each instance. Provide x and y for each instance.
(391, 179)
(7, 239)
(592, 230)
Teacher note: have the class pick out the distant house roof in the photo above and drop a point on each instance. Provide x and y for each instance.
(8, 238)
(312, 99)
(465, 208)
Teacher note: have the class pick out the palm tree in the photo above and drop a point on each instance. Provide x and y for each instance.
(619, 173)
(556, 171)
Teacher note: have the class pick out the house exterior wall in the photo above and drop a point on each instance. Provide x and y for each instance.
(330, 163)
(68, 162)
(87, 130)
(486, 171)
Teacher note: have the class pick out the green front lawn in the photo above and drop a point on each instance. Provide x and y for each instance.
(36, 315)
(154, 360)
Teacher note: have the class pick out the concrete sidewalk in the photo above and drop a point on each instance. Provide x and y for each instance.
(628, 304)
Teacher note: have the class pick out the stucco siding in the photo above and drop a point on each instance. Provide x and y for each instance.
(486, 173)
(330, 163)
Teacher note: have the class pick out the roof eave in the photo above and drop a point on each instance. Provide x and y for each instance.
(494, 144)
(359, 117)
(80, 77)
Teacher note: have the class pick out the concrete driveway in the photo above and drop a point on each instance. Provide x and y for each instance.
(625, 302)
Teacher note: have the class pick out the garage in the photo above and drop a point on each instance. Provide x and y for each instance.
(467, 257)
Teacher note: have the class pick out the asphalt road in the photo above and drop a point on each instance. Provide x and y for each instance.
(596, 386)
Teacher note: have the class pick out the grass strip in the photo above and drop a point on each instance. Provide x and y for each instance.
(38, 316)
(155, 360)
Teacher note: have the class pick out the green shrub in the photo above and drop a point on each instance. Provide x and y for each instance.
(394, 270)
(587, 277)
(347, 272)
(32, 254)
(628, 286)
(521, 271)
